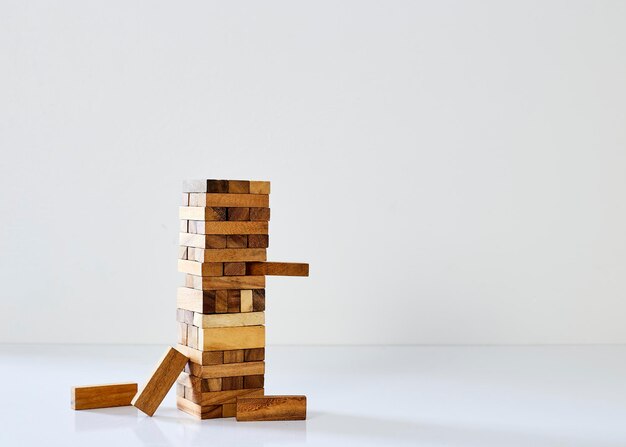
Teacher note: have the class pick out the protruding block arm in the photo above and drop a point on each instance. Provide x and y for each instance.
(277, 269)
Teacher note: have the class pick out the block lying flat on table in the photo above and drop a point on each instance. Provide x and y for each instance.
(224, 282)
(229, 254)
(229, 338)
(228, 320)
(277, 268)
(103, 396)
(227, 370)
(229, 227)
(211, 200)
(167, 370)
(271, 408)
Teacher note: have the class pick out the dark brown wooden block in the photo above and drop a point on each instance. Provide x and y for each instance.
(239, 187)
(235, 356)
(254, 355)
(254, 381)
(271, 408)
(221, 301)
(236, 241)
(258, 300)
(232, 383)
(234, 268)
(202, 301)
(234, 301)
(277, 268)
(238, 214)
(258, 241)
(260, 214)
(229, 410)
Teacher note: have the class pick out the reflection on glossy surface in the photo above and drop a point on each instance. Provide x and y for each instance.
(432, 396)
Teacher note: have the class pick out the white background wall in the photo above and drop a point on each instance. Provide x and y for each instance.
(454, 171)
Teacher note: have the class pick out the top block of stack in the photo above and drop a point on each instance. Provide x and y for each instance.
(227, 186)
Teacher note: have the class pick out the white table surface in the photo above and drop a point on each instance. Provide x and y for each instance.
(426, 396)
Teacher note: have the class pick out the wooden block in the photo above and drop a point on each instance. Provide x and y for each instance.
(229, 410)
(234, 268)
(235, 356)
(254, 355)
(214, 384)
(239, 187)
(201, 268)
(201, 213)
(192, 336)
(228, 254)
(185, 201)
(262, 214)
(195, 410)
(237, 241)
(225, 282)
(238, 214)
(182, 334)
(221, 301)
(182, 252)
(230, 200)
(188, 316)
(202, 240)
(229, 338)
(258, 300)
(151, 395)
(230, 228)
(227, 370)
(195, 383)
(229, 319)
(195, 186)
(184, 228)
(204, 357)
(271, 408)
(227, 397)
(277, 268)
(232, 383)
(103, 396)
(257, 241)
(234, 301)
(257, 381)
(246, 301)
(196, 300)
(259, 187)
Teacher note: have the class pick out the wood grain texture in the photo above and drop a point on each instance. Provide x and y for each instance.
(235, 356)
(238, 214)
(246, 304)
(228, 338)
(277, 268)
(225, 282)
(259, 187)
(103, 396)
(228, 319)
(234, 268)
(234, 301)
(254, 381)
(205, 357)
(254, 355)
(197, 411)
(221, 301)
(228, 254)
(239, 187)
(228, 227)
(229, 200)
(167, 370)
(257, 241)
(202, 240)
(258, 300)
(227, 397)
(262, 214)
(229, 410)
(227, 370)
(236, 241)
(232, 383)
(201, 268)
(271, 408)
(196, 300)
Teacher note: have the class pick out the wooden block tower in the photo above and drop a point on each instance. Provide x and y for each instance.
(221, 308)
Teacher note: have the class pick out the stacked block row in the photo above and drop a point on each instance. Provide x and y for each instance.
(221, 305)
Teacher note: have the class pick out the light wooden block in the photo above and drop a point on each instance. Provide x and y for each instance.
(246, 301)
(227, 254)
(227, 338)
(167, 370)
(225, 282)
(202, 301)
(197, 411)
(229, 320)
(103, 396)
(259, 187)
(213, 357)
(200, 268)
(227, 370)
(271, 408)
(236, 241)
(277, 268)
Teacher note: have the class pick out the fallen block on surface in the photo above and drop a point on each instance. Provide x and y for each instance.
(167, 371)
(271, 408)
(103, 396)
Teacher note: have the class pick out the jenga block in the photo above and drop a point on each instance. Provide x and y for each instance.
(234, 301)
(256, 381)
(262, 214)
(258, 300)
(246, 301)
(237, 241)
(229, 410)
(225, 282)
(205, 357)
(230, 228)
(232, 383)
(271, 408)
(103, 396)
(238, 214)
(226, 397)
(205, 186)
(182, 252)
(200, 412)
(228, 254)
(196, 300)
(239, 187)
(235, 356)
(214, 384)
(192, 336)
(185, 201)
(201, 268)
(257, 241)
(259, 187)
(277, 268)
(228, 338)
(151, 395)
(234, 268)
(202, 213)
(202, 240)
(227, 370)
(229, 200)
(221, 301)
(193, 382)
(229, 319)
(184, 228)
(254, 355)
(182, 334)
